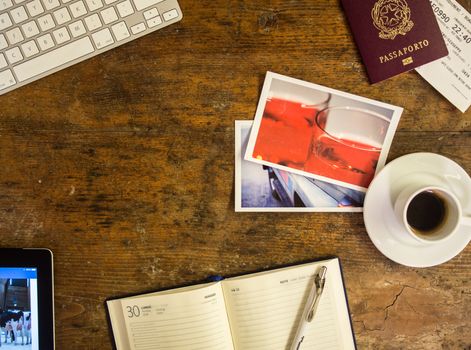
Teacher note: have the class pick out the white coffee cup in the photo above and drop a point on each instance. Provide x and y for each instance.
(414, 204)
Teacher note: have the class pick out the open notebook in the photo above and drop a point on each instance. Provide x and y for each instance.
(256, 311)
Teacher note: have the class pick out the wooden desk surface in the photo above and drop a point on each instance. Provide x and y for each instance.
(123, 166)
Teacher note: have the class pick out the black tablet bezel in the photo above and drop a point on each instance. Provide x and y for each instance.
(42, 259)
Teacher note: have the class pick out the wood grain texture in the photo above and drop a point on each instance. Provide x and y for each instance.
(123, 166)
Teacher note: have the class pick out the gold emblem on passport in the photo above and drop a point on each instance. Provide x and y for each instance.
(407, 61)
(391, 18)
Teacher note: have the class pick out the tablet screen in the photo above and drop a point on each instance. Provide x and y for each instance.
(19, 308)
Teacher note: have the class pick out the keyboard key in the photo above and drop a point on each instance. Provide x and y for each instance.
(30, 29)
(19, 14)
(19, 1)
(140, 27)
(35, 8)
(14, 55)
(3, 42)
(45, 42)
(102, 38)
(46, 22)
(109, 15)
(3, 61)
(29, 48)
(5, 4)
(125, 8)
(154, 22)
(151, 13)
(62, 16)
(77, 29)
(120, 31)
(53, 59)
(14, 36)
(61, 35)
(78, 9)
(93, 22)
(94, 4)
(5, 21)
(169, 15)
(142, 4)
(6, 79)
(51, 4)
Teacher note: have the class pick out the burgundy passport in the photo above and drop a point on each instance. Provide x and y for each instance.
(394, 36)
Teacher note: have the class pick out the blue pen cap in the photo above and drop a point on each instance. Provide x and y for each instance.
(215, 278)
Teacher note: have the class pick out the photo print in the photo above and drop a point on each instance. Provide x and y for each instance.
(262, 188)
(321, 133)
(16, 294)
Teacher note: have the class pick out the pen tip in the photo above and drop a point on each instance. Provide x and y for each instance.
(322, 272)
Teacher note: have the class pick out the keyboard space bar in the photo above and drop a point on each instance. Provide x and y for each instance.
(53, 59)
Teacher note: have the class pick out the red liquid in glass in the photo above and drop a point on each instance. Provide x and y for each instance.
(289, 136)
(347, 161)
(285, 133)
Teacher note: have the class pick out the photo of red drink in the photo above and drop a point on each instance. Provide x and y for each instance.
(321, 133)
(346, 144)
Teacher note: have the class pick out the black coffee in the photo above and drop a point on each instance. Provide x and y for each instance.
(426, 212)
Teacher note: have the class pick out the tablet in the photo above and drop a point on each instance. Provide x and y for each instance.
(26, 299)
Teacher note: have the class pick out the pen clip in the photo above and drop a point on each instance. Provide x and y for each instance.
(319, 285)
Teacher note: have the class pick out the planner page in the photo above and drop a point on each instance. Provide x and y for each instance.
(187, 319)
(265, 309)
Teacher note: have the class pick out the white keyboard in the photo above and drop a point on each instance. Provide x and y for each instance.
(40, 37)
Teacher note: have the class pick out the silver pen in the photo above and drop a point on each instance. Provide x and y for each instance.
(310, 308)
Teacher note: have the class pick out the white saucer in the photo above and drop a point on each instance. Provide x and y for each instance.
(381, 222)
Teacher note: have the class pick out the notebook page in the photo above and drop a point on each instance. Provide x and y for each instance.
(264, 309)
(117, 317)
(188, 320)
